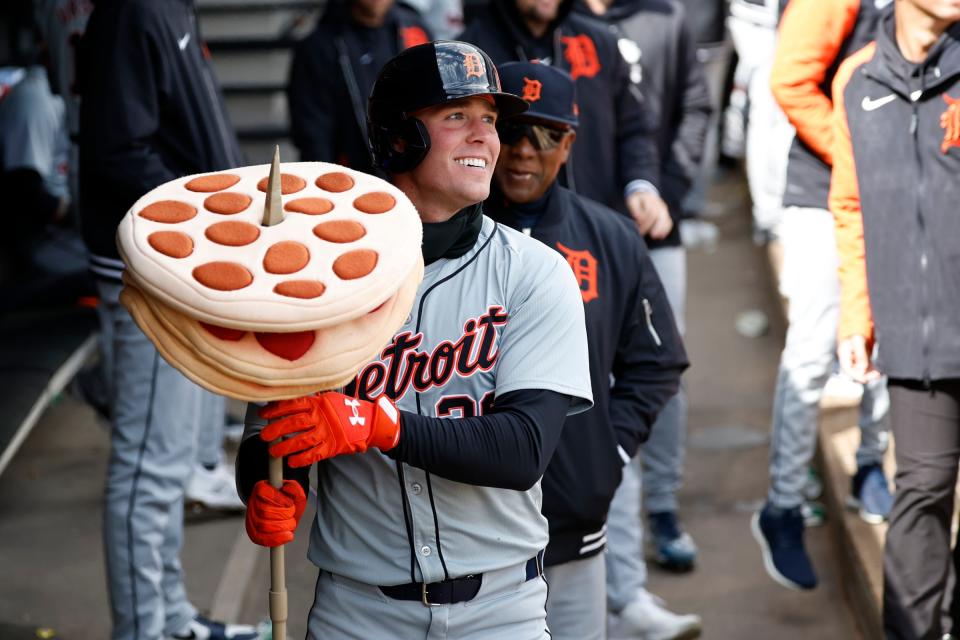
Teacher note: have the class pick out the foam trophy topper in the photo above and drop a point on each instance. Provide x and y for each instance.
(266, 283)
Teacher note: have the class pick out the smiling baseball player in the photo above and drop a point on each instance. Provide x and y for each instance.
(439, 532)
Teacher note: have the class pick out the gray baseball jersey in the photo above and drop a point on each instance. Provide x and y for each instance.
(505, 316)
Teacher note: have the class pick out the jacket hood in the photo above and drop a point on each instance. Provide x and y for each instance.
(506, 11)
(942, 63)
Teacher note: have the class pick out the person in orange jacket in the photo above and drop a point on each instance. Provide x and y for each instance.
(815, 35)
(894, 195)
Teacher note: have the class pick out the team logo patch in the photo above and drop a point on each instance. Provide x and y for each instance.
(581, 54)
(412, 36)
(531, 89)
(473, 65)
(950, 123)
(584, 267)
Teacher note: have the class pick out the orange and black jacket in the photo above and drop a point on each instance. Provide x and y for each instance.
(895, 196)
(631, 334)
(814, 38)
(617, 136)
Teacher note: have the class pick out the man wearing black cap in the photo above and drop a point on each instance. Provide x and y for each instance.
(631, 334)
(435, 529)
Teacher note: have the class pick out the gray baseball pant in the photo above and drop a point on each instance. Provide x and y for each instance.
(507, 606)
(152, 448)
(662, 458)
(810, 283)
(663, 453)
(577, 603)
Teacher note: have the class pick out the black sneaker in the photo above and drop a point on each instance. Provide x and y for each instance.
(201, 628)
(780, 535)
(674, 549)
(870, 494)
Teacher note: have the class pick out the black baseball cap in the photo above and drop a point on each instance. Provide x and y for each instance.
(434, 73)
(550, 92)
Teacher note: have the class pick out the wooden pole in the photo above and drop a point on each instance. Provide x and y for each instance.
(273, 214)
(278, 580)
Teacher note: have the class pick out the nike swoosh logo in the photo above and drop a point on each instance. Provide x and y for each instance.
(870, 104)
(880, 4)
(183, 42)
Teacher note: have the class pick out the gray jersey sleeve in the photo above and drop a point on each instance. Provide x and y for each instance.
(544, 344)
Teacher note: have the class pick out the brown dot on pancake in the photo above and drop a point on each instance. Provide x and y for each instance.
(215, 182)
(171, 243)
(336, 182)
(339, 231)
(289, 183)
(376, 202)
(355, 264)
(168, 211)
(227, 203)
(306, 289)
(232, 233)
(286, 257)
(309, 206)
(223, 276)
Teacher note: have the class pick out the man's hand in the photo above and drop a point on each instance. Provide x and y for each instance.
(273, 514)
(329, 424)
(650, 214)
(855, 359)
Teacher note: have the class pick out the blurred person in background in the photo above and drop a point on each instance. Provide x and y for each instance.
(655, 39)
(815, 36)
(706, 19)
(333, 70)
(43, 253)
(755, 128)
(616, 162)
(631, 336)
(894, 194)
(150, 112)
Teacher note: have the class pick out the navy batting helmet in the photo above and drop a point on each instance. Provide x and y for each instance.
(425, 76)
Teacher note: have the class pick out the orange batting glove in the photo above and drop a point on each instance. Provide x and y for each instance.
(329, 424)
(273, 514)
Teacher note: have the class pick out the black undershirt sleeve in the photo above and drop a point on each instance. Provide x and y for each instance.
(508, 448)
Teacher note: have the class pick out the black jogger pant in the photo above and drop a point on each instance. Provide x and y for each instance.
(926, 431)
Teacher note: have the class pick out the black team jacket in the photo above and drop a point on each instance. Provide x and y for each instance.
(616, 139)
(151, 111)
(631, 334)
(662, 54)
(331, 74)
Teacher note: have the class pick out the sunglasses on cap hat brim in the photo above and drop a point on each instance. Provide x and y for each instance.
(544, 137)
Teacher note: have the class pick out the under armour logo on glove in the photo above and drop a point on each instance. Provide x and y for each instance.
(327, 425)
(355, 419)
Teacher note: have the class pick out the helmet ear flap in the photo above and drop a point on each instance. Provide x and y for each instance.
(399, 146)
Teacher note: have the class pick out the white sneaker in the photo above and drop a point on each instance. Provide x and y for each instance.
(647, 618)
(216, 489)
(233, 432)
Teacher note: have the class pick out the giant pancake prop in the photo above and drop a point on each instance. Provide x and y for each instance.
(271, 282)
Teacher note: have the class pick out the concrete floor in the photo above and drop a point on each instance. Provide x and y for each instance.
(51, 561)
